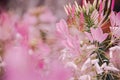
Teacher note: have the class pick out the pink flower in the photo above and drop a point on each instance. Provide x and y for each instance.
(69, 41)
(62, 28)
(115, 56)
(115, 24)
(19, 65)
(115, 19)
(57, 71)
(96, 35)
(29, 18)
(47, 16)
(6, 27)
(22, 32)
(22, 29)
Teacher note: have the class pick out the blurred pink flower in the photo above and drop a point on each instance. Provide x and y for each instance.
(22, 32)
(42, 50)
(6, 27)
(57, 71)
(19, 65)
(47, 16)
(96, 35)
(22, 29)
(29, 18)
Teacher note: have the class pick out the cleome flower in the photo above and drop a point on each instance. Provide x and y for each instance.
(98, 52)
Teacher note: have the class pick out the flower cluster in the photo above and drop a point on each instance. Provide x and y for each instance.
(91, 40)
(27, 46)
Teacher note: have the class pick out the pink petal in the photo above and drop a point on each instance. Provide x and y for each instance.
(62, 27)
(112, 18)
(95, 33)
(103, 37)
(112, 5)
(100, 8)
(89, 36)
(118, 18)
(73, 10)
(98, 35)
